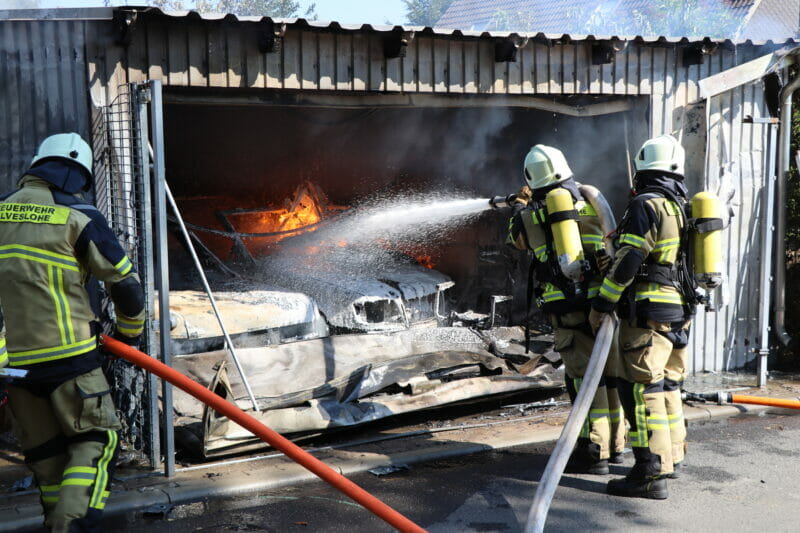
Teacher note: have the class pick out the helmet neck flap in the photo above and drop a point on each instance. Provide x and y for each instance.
(65, 175)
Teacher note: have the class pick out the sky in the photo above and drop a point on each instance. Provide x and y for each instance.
(355, 11)
(347, 11)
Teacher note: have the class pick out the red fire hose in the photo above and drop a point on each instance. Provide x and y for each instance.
(294, 452)
(727, 397)
(761, 400)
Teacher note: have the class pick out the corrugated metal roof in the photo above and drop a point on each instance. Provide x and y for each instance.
(554, 35)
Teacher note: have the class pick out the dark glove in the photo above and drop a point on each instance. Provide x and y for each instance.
(133, 342)
(3, 397)
(603, 261)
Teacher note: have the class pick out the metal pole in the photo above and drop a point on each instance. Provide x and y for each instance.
(768, 230)
(162, 272)
(202, 273)
(784, 161)
(560, 455)
(147, 270)
(627, 151)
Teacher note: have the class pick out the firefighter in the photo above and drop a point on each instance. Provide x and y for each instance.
(52, 248)
(551, 197)
(650, 286)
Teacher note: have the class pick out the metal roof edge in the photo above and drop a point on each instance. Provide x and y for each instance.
(453, 32)
(106, 13)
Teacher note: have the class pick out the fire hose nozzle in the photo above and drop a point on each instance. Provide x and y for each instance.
(498, 202)
(716, 397)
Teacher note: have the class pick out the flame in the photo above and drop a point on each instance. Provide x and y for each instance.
(301, 213)
(425, 260)
(305, 213)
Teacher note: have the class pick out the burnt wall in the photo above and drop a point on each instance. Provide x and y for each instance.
(262, 152)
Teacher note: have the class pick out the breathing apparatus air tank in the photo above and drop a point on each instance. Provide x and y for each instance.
(707, 235)
(566, 233)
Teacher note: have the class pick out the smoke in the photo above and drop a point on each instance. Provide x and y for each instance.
(595, 149)
(455, 149)
(473, 146)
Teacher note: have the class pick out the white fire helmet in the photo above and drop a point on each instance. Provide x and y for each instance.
(69, 146)
(544, 166)
(663, 153)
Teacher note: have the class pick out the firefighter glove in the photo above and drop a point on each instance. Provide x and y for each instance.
(524, 195)
(133, 342)
(603, 261)
(595, 319)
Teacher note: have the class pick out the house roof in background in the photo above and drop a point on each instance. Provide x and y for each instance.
(760, 20)
(567, 16)
(774, 18)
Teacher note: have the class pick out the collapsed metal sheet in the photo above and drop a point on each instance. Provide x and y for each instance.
(252, 316)
(354, 379)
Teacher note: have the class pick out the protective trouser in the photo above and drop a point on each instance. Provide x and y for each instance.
(605, 424)
(649, 392)
(674, 376)
(69, 438)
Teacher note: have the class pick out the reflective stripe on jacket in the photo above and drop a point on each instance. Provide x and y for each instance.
(526, 233)
(649, 233)
(47, 253)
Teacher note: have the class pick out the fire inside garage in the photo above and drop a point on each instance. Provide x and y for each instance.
(282, 172)
(291, 146)
(376, 219)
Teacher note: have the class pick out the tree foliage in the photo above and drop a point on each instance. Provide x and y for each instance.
(425, 12)
(793, 185)
(247, 8)
(788, 359)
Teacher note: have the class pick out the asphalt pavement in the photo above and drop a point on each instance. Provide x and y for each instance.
(474, 473)
(741, 475)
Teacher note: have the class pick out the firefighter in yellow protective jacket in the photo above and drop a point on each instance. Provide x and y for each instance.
(651, 287)
(53, 247)
(566, 301)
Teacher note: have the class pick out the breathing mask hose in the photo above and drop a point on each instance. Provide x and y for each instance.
(277, 441)
(569, 434)
(604, 213)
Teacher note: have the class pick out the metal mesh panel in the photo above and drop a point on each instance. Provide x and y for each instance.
(122, 189)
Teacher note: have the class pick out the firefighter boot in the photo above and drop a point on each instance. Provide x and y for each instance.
(644, 480)
(585, 459)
